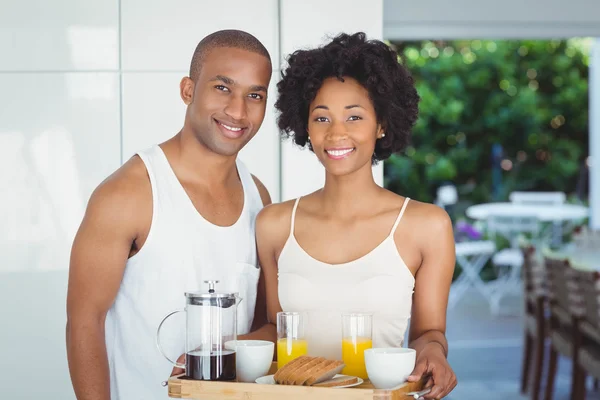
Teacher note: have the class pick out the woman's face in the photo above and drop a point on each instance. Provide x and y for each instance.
(342, 126)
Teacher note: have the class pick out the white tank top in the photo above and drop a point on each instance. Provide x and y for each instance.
(378, 283)
(182, 250)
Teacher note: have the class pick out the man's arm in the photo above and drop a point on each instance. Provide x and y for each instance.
(98, 257)
(262, 190)
(261, 328)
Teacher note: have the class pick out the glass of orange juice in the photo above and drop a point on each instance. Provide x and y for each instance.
(357, 334)
(291, 342)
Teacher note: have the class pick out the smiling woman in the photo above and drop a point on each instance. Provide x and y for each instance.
(353, 246)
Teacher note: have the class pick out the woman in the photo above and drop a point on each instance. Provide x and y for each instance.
(354, 246)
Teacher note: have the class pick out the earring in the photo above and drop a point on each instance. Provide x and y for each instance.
(383, 135)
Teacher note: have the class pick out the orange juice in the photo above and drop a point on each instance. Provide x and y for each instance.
(288, 349)
(353, 355)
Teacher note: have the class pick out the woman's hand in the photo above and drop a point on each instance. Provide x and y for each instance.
(431, 360)
(177, 370)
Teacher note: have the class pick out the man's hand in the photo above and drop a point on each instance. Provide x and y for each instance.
(431, 360)
(177, 370)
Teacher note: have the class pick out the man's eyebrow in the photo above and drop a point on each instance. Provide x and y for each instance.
(258, 88)
(228, 81)
(223, 79)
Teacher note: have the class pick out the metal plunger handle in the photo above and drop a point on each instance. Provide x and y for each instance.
(211, 286)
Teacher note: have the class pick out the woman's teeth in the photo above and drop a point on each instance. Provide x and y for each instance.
(338, 153)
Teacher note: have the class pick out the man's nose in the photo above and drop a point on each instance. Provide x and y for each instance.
(236, 108)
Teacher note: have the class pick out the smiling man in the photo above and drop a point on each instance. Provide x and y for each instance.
(172, 217)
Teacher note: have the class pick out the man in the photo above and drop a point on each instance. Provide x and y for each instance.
(170, 218)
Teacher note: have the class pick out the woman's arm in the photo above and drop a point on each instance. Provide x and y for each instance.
(432, 285)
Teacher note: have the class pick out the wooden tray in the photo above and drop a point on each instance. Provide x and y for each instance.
(181, 388)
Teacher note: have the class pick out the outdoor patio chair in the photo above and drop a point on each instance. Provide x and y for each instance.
(554, 231)
(472, 257)
(535, 321)
(563, 322)
(587, 296)
(509, 261)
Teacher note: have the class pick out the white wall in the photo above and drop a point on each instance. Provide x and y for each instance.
(594, 180)
(84, 84)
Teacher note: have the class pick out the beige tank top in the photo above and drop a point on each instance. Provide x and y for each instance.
(378, 282)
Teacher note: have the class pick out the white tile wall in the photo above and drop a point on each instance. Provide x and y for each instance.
(152, 109)
(161, 35)
(59, 139)
(325, 19)
(42, 35)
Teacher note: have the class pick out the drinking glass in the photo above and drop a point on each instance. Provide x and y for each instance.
(291, 342)
(357, 336)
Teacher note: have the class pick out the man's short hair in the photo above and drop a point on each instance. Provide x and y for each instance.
(225, 38)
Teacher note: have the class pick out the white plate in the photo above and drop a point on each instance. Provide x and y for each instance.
(269, 380)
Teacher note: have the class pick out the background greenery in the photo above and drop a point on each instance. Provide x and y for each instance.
(530, 97)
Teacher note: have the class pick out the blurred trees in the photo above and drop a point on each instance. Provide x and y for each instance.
(530, 97)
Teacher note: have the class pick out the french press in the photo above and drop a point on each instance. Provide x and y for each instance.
(211, 322)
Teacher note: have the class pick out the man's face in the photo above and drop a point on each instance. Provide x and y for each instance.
(229, 99)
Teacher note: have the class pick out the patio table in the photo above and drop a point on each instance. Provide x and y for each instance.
(544, 213)
(555, 213)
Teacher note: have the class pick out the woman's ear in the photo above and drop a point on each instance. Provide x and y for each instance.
(380, 131)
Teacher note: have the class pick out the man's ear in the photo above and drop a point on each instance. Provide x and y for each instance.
(186, 90)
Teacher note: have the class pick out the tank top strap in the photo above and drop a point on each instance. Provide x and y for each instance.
(150, 158)
(147, 159)
(294, 216)
(399, 216)
(250, 188)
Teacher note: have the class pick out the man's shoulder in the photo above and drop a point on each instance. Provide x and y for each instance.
(127, 186)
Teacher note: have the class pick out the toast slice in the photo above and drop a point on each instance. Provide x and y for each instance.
(283, 373)
(326, 373)
(315, 371)
(307, 371)
(287, 366)
(291, 378)
(341, 380)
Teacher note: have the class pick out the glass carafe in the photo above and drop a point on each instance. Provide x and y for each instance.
(211, 322)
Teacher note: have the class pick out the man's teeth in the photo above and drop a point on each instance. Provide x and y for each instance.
(231, 128)
(338, 153)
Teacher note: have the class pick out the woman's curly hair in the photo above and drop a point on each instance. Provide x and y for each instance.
(374, 65)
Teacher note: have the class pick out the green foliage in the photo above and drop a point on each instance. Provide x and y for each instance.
(529, 96)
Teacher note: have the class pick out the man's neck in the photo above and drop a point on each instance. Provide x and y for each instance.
(196, 163)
